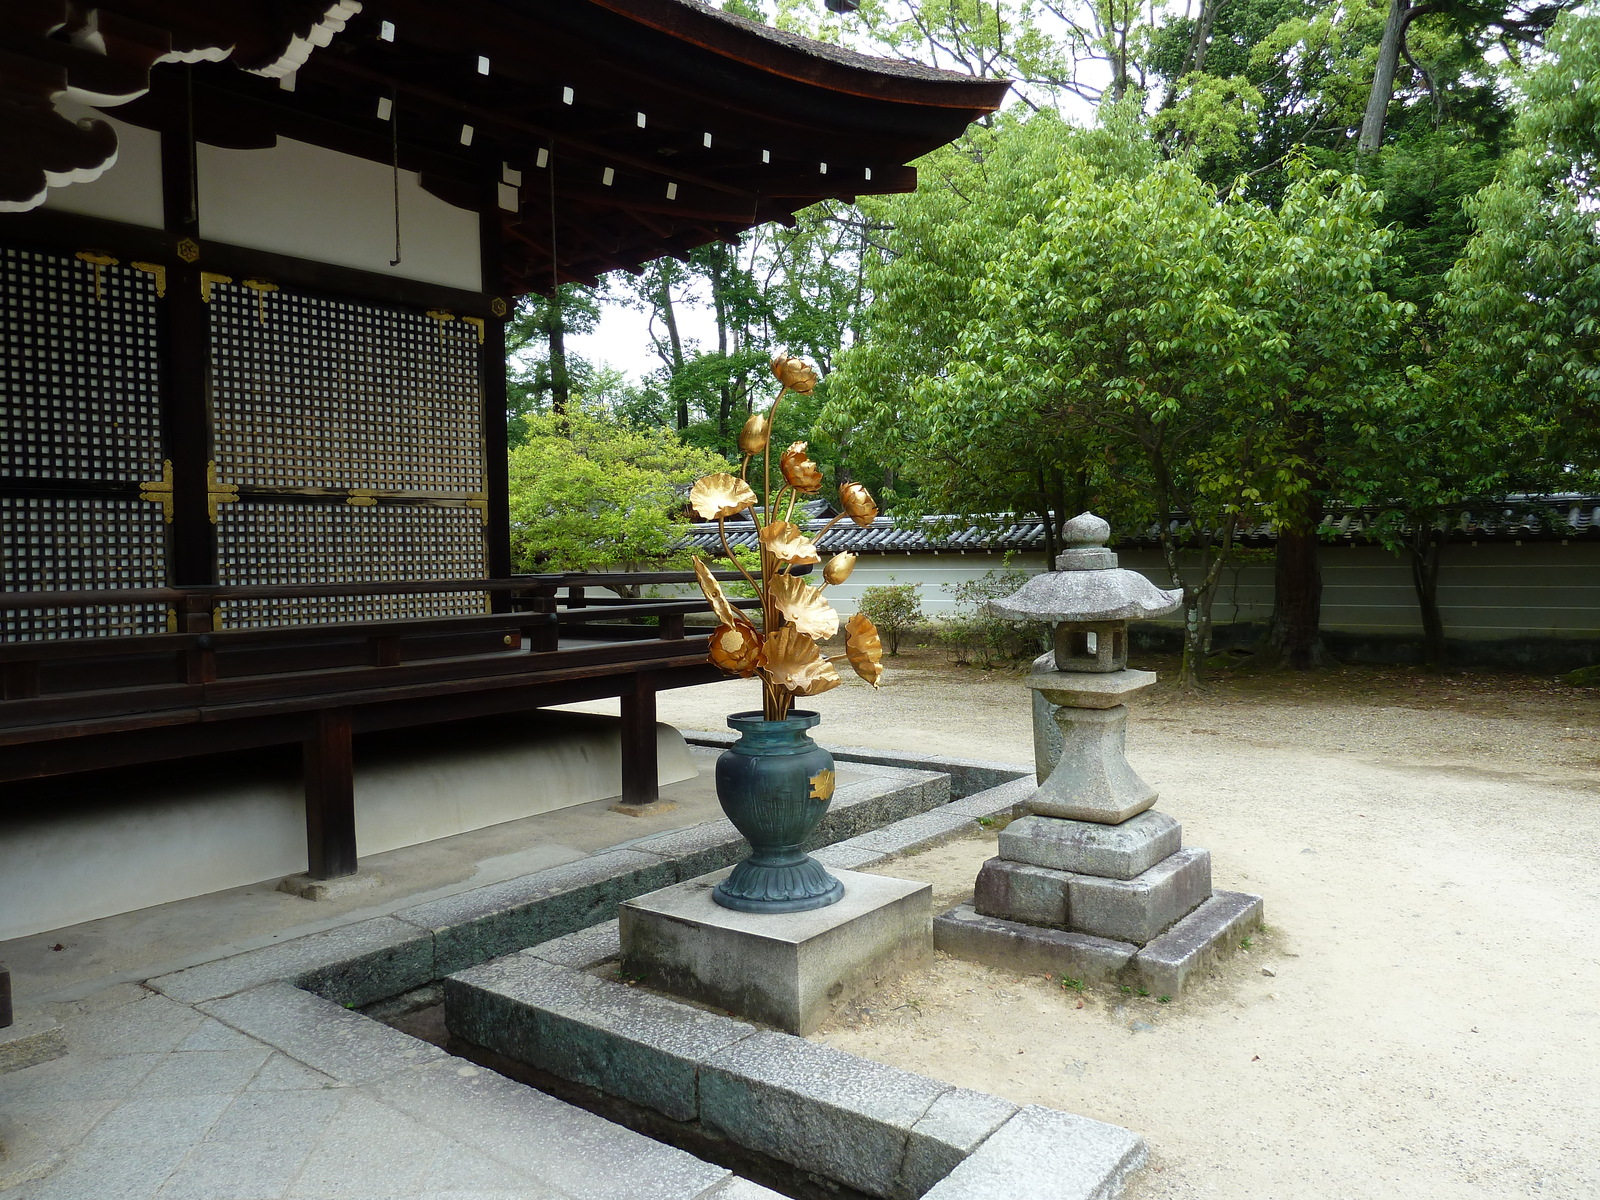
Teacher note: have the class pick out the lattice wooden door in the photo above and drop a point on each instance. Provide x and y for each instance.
(353, 434)
(81, 461)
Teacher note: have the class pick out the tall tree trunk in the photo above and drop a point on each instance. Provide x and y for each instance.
(719, 304)
(560, 379)
(1390, 49)
(669, 317)
(1200, 40)
(1426, 549)
(1295, 635)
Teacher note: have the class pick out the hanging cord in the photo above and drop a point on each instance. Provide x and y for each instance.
(394, 160)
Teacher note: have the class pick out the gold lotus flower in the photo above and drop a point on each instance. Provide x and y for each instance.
(803, 607)
(754, 436)
(785, 541)
(720, 495)
(864, 648)
(794, 373)
(839, 567)
(792, 661)
(803, 474)
(858, 503)
(727, 614)
(736, 648)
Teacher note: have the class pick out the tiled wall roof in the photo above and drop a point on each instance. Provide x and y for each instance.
(1517, 518)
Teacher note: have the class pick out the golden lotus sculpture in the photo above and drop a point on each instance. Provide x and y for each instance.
(794, 613)
(774, 782)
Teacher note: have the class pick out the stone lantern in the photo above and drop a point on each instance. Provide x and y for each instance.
(1092, 883)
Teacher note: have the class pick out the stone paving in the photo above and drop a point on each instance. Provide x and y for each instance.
(160, 1099)
(225, 1081)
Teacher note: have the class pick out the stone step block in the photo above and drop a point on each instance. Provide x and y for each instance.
(1167, 964)
(1040, 1153)
(1141, 909)
(1090, 848)
(32, 1039)
(1000, 943)
(623, 1041)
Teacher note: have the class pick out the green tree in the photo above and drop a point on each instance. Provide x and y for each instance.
(1522, 311)
(540, 374)
(589, 493)
(893, 608)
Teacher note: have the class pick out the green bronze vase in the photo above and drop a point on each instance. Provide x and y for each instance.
(774, 784)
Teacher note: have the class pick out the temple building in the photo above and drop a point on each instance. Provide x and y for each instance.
(257, 260)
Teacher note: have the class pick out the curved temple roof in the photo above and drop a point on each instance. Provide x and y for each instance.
(605, 132)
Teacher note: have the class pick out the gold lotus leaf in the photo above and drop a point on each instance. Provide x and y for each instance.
(822, 785)
(787, 542)
(864, 648)
(720, 495)
(839, 567)
(802, 474)
(736, 648)
(803, 607)
(727, 614)
(754, 436)
(858, 503)
(792, 661)
(794, 373)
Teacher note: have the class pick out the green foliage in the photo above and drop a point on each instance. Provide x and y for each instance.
(588, 493)
(974, 632)
(1523, 306)
(893, 608)
(533, 373)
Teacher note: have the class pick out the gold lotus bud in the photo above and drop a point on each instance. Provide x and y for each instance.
(791, 660)
(839, 567)
(858, 503)
(736, 648)
(754, 436)
(864, 648)
(786, 542)
(721, 495)
(804, 607)
(794, 373)
(727, 614)
(802, 474)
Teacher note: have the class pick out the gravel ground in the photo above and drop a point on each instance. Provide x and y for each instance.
(1422, 1017)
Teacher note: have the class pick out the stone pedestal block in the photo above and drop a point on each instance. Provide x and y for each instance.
(1092, 780)
(790, 970)
(30, 1040)
(1022, 892)
(1139, 910)
(1090, 848)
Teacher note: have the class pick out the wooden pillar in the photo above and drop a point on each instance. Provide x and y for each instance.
(492, 373)
(330, 796)
(640, 777)
(184, 340)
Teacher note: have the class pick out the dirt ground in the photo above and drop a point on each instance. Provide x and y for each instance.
(1421, 1017)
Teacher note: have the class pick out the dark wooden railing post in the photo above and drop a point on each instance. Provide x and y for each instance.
(641, 785)
(330, 796)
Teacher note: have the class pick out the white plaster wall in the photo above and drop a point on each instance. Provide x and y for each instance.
(318, 204)
(190, 837)
(130, 191)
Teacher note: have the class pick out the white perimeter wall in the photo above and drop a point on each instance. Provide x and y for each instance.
(1487, 592)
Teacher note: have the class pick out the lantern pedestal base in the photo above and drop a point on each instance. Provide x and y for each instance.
(790, 970)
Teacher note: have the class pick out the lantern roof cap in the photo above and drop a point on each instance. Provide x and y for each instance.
(1087, 585)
